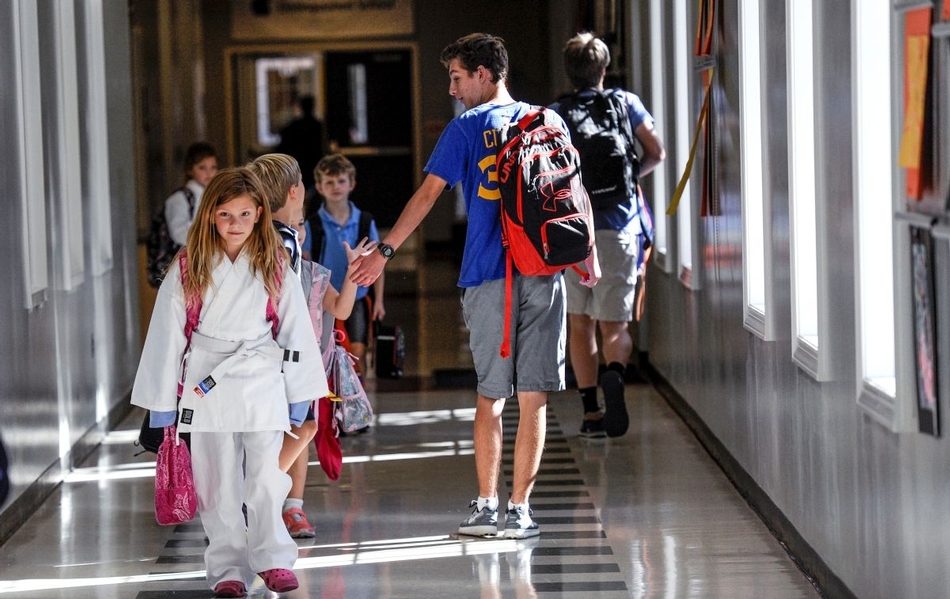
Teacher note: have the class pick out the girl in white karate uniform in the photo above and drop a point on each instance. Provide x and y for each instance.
(252, 366)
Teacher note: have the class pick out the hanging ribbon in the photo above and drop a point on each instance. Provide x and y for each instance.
(917, 61)
(675, 200)
(704, 27)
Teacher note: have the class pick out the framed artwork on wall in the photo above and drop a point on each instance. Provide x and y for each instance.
(925, 329)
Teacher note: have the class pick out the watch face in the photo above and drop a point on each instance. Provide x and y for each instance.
(386, 250)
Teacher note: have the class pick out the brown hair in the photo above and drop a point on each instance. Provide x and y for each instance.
(195, 153)
(585, 60)
(334, 164)
(479, 49)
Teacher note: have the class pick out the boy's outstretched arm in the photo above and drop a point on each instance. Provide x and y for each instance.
(368, 268)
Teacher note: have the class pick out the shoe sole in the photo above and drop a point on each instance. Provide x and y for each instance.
(616, 419)
(597, 435)
(521, 534)
(306, 534)
(479, 531)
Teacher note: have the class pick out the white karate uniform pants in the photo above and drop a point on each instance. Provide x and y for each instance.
(232, 470)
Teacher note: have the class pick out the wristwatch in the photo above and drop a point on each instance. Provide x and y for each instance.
(386, 250)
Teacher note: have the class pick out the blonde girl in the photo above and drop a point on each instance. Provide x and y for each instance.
(230, 335)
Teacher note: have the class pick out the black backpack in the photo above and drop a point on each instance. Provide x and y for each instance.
(161, 249)
(600, 130)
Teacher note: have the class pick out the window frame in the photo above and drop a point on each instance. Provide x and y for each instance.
(757, 294)
(687, 238)
(665, 227)
(809, 268)
(29, 144)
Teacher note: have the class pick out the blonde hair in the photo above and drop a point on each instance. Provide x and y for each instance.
(278, 173)
(205, 247)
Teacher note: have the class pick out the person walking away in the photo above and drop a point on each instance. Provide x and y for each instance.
(621, 239)
(465, 153)
(304, 138)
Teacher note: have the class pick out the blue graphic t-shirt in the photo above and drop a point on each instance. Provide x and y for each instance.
(466, 154)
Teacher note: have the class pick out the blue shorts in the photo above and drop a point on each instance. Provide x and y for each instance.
(538, 335)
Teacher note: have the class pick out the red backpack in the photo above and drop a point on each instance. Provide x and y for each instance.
(546, 218)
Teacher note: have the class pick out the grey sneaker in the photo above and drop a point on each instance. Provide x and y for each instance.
(482, 523)
(519, 525)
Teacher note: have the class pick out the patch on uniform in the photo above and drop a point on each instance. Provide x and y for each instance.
(204, 387)
(291, 356)
(186, 415)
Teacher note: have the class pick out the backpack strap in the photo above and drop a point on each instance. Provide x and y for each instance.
(190, 196)
(366, 220)
(272, 302)
(193, 310)
(318, 240)
(623, 123)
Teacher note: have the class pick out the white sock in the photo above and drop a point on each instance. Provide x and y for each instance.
(489, 502)
(290, 504)
(512, 506)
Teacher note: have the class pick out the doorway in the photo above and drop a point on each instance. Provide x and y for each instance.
(363, 96)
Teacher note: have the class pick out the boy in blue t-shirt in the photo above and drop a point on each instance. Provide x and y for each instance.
(466, 153)
(335, 178)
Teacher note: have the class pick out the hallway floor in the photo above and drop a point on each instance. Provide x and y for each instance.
(645, 515)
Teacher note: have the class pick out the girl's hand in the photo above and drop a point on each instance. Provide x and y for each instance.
(379, 311)
(364, 248)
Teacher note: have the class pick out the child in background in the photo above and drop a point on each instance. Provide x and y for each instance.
(339, 218)
(283, 188)
(247, 371)
(315, 279)
(201, 165)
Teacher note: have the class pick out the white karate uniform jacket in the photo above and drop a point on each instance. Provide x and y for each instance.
(233, 344)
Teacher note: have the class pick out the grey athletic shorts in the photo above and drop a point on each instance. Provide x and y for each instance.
(538, 335)
(611, 299)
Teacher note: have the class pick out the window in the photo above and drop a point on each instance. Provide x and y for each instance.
(756, 216)
(657, 108)
(682, 73)
(279, 82)
(873, 209)
(807, 321)
(96, 141)
(29, 150)
(66, 183)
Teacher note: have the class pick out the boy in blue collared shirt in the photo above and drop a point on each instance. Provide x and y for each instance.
(335, 179)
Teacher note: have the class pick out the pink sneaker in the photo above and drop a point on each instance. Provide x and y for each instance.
(296, 522)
